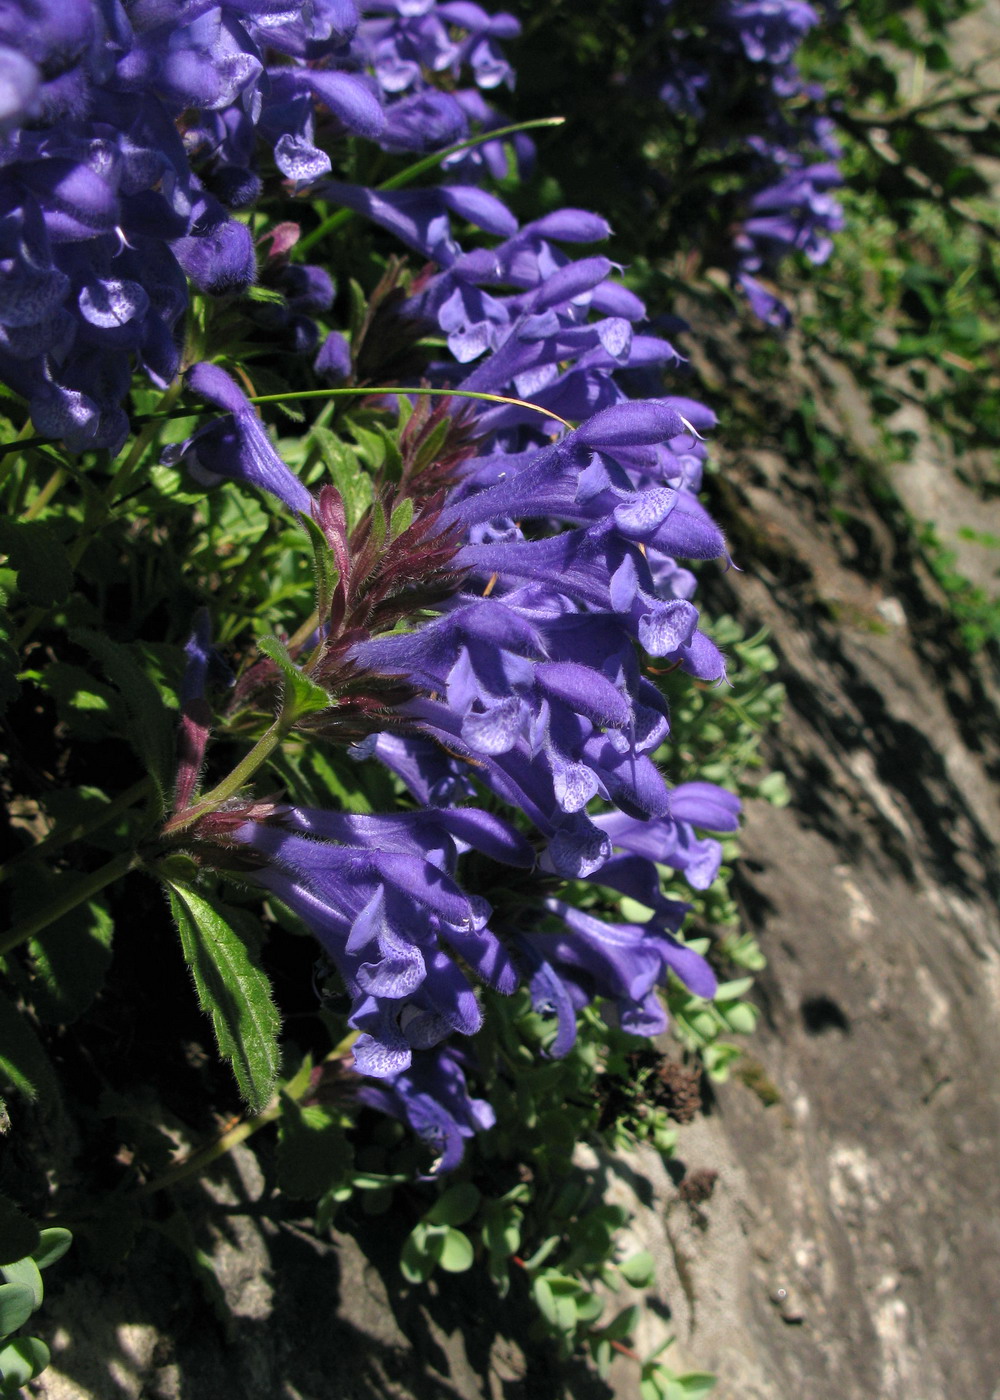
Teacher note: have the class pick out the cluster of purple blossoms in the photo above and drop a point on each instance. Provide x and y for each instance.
(792, 208)
(528, 686)
(130, 140)
(130, 134)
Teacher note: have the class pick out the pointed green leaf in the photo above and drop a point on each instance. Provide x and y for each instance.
(371, 446)
(359, 307)
(70, 960)
(17, 1303)
(21, 1361)
(432, 444)
(304, 695)
(393, 464)
(346, 472)
(402, 517)
(52, 1245)
(150, 728)
(24, 1065)
(325, 575)
(379, 524)
(44, 575)
(18, 1234)
(232, 991)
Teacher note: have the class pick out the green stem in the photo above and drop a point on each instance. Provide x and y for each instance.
(297, 395)
(46, 493)
(84, 889)
(199, 1161)
(123, 475)
(21, 441)
(296, 1088)
(96, 515)
(66, 835)
(413, 172)
(238, 778)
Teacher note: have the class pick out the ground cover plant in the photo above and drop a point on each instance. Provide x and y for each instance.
(370, 768)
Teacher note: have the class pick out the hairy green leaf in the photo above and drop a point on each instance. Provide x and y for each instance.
(44, 575)
(24, 1065)
(304, 694)
(232, 991)
(150, 728)
(70, 960)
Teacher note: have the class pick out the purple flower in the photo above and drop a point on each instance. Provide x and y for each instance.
(622, 963)
(235, 447)
(433, 1097)
(380, 894)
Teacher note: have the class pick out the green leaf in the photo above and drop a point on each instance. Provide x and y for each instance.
(371, 445)
(21, 1361)
(640, 1270)
(304, 695)
(86, 706)
(401, 518)
(24, 1273)
(623, 1324)
(267, 295)
(17, 1303)
(70, 960)
(379, 524)
(52, 1245)
(150, 728)
(232, 991)
(546, 1303)
(421, 1252)
(693, 1385)
(741, 1016)
(44, 575)
(18, 1234)
(314, 1155)
(393, 463)
(457, 1254)
(455, 1206)
(24, 1065)
(324, 574)
(359, 307)
(729, 991)
(10, 686)
(346, 472)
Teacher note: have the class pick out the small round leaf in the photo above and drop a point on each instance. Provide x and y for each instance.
(21, 1361)
(457, 1254)
(52, 1245)
(17, 1303)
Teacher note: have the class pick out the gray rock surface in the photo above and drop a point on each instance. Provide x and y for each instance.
(860, 1214)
